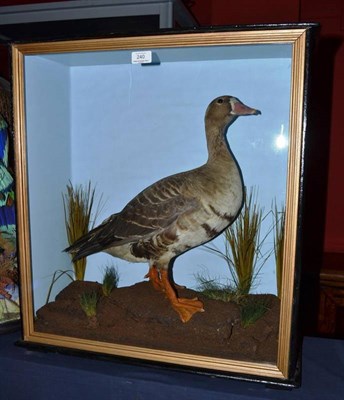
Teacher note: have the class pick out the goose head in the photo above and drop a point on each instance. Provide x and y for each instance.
(220, 114)
(224, 110)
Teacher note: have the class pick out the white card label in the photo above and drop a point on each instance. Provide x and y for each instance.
(141, 57)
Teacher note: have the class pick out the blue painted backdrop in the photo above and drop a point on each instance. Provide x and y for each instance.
(98, 117)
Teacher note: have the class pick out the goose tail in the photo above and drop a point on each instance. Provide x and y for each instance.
(85, 246)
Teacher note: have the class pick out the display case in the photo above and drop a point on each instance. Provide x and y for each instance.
(102, 119)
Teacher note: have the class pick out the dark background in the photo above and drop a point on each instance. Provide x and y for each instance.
(323, 239)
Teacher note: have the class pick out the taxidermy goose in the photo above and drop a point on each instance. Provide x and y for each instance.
(178, 212)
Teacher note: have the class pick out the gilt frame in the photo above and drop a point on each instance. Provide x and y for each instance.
(284, 371)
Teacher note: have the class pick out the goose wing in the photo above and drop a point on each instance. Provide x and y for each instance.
(149, 213)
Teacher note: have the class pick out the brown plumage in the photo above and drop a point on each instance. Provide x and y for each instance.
(178, 212)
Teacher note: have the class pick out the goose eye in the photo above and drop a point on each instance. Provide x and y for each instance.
(219, 101)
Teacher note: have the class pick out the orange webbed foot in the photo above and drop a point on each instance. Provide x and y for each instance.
(186, 308)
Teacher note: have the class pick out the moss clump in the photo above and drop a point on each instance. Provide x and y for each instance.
(88, 303)
(212, 289)
(110, 280)
(253, 308)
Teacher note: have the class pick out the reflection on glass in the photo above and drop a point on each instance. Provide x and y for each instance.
(281, 140)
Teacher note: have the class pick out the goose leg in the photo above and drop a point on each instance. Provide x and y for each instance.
(154, 276)
(186, 308)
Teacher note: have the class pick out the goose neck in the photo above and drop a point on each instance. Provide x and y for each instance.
(218, 149)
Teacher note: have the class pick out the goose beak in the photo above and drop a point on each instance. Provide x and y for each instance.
(238, 108)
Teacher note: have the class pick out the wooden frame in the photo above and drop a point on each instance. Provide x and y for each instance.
(297, 38)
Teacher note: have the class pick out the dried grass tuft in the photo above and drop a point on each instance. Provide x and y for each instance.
(279, 225)
(78, 205)
(243, 245)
